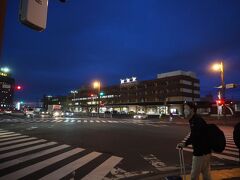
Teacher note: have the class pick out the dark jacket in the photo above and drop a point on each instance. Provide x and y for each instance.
(198, 137)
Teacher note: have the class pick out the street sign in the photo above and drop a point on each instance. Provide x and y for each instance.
(33, 13)
(228, 86)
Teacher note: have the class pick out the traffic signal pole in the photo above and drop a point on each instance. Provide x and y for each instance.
(223, 88)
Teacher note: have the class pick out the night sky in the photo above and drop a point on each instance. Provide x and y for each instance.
(113, 39)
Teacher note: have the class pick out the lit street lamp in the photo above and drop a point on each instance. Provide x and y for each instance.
(220, 68)
(97, 85)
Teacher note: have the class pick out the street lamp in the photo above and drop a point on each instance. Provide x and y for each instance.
(219, 67)
(74, 94)
(97, 85)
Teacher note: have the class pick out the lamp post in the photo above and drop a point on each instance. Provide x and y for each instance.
(74, 92)
(220, 68)
(97, 85)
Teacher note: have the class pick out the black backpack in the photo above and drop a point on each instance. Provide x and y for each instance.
(236, 135)
(217, 140)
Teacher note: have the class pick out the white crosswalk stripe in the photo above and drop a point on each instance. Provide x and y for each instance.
(101, 171)
(21, 145)
(21, 151)
(45, 154)
(11, 135)
(32, 156)
(12, 138)
(230, 153)
(79, 120)
(60, 173)
(17, 141)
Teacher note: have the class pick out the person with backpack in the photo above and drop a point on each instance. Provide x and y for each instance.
(199, 140)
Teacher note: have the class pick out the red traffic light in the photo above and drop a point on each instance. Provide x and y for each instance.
(18, 87)
(220, 102)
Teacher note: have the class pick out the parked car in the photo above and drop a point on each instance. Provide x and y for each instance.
(140, 116)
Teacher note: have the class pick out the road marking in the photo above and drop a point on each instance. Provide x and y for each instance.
(158, 164)
(65, 170)
(3, 131)
(6, 133)
(10, 135)
(22, 145)
(91, 121)
(79, 121)
(35, 167)
(232, 149)
(103, 121)
(231, 145)
(31, 156)
(101, 171)
(230, 152)
(97, 121)
(17, 141)
(85, 121)
(72, 120)
(13, 153)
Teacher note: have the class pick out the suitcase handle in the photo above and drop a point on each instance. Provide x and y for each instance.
(182, 163)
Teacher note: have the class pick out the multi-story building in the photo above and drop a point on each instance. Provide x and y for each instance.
(162, 95)
(7, 85)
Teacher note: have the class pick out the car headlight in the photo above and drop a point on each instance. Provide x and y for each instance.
(56, 114)
(134, 116)
(67, 113)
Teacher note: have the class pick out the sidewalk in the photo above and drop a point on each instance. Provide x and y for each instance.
(225, 174)
(229, 121)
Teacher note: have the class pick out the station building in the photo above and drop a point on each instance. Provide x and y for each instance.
(163, 95)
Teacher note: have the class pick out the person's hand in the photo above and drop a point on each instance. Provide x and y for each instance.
(180, 145)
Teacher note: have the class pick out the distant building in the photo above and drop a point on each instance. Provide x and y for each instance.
(54, 100)
(7, 85)
(162, 95)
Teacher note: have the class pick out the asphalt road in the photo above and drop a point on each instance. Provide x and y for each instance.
(109, 148)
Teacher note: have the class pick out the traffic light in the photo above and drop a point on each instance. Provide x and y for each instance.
(220, 102)
(101, 93)
(19, 87)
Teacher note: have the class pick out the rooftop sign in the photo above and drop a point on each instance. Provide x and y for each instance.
(128, 80)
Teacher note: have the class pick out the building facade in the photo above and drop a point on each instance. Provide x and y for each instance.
(7, 86)
(162, 95)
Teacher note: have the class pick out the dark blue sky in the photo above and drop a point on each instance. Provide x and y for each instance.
(113, 39)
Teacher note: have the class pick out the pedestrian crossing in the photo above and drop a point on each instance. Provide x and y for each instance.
(82, 121)
(231, 152)
(24, 157)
